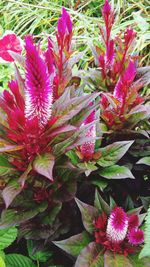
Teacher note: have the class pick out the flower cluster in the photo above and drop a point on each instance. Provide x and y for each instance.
(118, 67)
(119, 232)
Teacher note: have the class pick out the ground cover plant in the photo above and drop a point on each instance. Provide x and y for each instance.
(75, 150)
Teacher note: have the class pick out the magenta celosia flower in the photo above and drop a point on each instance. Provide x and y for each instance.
(106, 8)
(9, 42)
(64, 30)
(123, 84)
(67, 19)
(133, 220)
(129, 36)
(49, 58)
(136, 237)
(117, 225)
(38, 91)
(87, 149)
(118, 232)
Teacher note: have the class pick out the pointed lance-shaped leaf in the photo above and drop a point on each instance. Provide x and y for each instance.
(38, 90)
(74, 244)
(91, 256)
(89, 213)
(117, 260)
(43, 164)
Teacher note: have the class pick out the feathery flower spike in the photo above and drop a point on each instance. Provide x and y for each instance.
(38, 91)
(117, 225)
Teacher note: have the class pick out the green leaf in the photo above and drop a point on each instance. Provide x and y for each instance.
(18, 260)
(145, 252)
(145, 160)
(136, 262)
(101, 184)
(7, 236)
(74, 158)
(10, 192)
(89, 213)
(116, 172)
(116, 260)
(91, 256)
(74, 244)
(113, 153)
(2, 263)
(100, 203)
(88, 167)
(145, 202)
(38, 253)
(5, 167)
(44, 164)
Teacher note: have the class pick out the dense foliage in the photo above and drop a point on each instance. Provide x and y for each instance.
(75, 150)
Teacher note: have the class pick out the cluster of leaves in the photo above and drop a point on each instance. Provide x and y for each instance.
(64, 132)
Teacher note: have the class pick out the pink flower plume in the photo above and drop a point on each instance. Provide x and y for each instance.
(38, 91)
(117, 225)
(125, 82)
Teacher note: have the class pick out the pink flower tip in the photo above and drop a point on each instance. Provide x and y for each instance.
(129, 73)
(117, 225)
(10, 42)
(106, 8)
(129, 36)
(66, 17)
(136, 237)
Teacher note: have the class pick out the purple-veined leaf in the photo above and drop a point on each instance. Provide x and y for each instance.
(68, 109)
(116, 172)
(113, 153)
(89, 214)
(75, 58)
(43, 164)
(90, 256)
(24, 176)
(10, 148)
(116, 260)
(19, 80)
(138, 114)
(145, 160)
(62, 129)
(10, 192)
(73, 141)
(13, 217)
(66, 191)
(74, 244)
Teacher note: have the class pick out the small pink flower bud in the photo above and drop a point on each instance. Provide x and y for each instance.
(136, 237)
